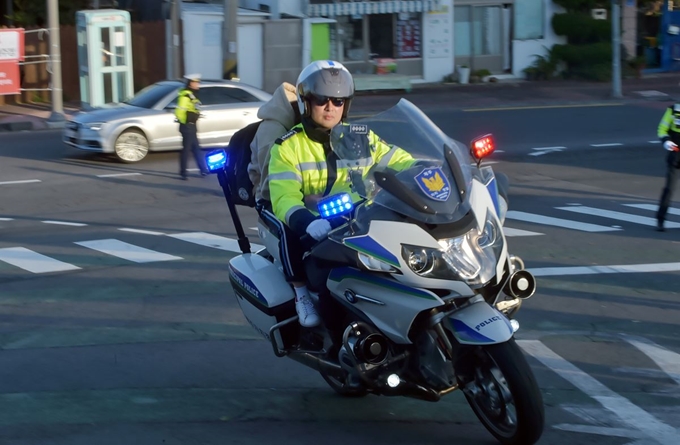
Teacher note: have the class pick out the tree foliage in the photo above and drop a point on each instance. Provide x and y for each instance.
(27, 13)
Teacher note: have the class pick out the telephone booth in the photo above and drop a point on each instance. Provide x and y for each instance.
(104, 56)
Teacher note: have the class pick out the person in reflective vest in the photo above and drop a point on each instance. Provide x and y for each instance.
(303, 167)
(669, 133)
(187, 113)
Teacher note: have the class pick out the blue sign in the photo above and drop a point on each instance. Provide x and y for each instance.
(433, 182)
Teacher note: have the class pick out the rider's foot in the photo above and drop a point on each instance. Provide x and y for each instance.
(306, 311)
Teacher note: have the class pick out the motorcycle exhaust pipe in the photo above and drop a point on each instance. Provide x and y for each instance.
(520, 285)
(318, 363)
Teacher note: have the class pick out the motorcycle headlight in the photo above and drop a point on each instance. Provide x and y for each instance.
(470, 257)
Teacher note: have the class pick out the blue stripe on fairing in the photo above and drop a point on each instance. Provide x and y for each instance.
(492, 187)
(371, 247)
(466, 333)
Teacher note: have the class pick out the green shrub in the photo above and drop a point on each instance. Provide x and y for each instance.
(581, 5)
(482, 73)
(580, 28)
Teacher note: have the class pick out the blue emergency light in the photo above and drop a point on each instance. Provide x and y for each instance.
(215, 160)
(335, 205)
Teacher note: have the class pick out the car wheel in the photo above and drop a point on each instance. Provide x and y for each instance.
(131, 146)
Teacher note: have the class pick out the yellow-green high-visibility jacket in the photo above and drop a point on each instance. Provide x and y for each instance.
(298, 168)
(669, 127)
(187, 107)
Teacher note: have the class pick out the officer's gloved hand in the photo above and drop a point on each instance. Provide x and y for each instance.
(318, 229)
(670, 146)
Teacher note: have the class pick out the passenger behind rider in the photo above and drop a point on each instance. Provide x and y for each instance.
(303, 168)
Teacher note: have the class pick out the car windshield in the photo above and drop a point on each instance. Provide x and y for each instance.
(149, 96)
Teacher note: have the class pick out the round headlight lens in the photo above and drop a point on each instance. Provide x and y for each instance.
(420, 261)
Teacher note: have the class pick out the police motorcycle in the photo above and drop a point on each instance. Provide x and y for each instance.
(421, 268)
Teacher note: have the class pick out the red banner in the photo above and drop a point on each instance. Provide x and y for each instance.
(9, 78)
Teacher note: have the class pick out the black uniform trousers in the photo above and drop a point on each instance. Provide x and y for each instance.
(672, 166)
(190, 144)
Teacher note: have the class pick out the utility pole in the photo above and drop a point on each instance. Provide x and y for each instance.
(616, 49)
(229, 40)
(57, 115)
(174, 24)
(10, 12)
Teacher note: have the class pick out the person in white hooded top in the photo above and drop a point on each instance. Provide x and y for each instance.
(278, 116)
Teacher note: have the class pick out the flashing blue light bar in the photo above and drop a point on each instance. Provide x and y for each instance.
(335, 205)
(215, 160)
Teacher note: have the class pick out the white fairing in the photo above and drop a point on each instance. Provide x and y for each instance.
(480, 201)
(271, 290)
(480, 324)
(394, 306)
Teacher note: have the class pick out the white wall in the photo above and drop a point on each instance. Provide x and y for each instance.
(523, 50)
(277, 7)
(437, 42)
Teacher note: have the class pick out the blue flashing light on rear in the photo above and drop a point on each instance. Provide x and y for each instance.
(215, 160)
(335, 205)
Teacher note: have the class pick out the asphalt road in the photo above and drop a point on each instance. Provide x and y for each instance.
(149, 346)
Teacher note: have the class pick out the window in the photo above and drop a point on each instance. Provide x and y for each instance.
(351, 34)
(486, 27)
(529, 19)
(461, 29)
(151, 95)
(381, 35)
(408, 36)
(224, 95)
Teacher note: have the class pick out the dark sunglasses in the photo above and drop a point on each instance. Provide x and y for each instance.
(320, 101)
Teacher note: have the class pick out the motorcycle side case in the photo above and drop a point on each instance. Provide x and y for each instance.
(263, 295)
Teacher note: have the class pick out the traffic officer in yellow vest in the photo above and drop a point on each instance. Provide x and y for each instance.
(304, 167)
(187, 113)
(669, 133)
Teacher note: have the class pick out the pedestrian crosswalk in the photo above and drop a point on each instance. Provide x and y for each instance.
(610, 408)
(583, 218)
(142, 249)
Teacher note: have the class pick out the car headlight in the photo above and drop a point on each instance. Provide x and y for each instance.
(94, 126)
(470, 257)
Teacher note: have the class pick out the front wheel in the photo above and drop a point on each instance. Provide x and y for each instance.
(131, 146)
(502, 391)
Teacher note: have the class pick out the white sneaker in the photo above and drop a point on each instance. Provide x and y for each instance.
(307, 312)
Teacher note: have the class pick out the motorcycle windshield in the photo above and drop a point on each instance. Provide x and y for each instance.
(424, 175)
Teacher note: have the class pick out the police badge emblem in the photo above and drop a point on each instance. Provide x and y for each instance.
(434, 184)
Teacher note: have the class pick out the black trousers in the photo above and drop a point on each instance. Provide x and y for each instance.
(673, 160)
(291, 248)
(190, 145)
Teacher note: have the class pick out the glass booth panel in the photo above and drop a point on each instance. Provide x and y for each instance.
(461, 29)
(487, 26)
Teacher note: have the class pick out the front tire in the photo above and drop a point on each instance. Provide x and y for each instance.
(503, 393)
(131, 146)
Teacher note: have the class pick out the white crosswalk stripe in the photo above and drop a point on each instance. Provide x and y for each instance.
(620, 216)
(557, 222)
(127, 251)
(33, 261)
(210, 240)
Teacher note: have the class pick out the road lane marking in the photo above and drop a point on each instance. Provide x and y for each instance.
(210, 240)
(594, 270)
(543, 150)
(557, 222)
(518, 232)
(613, 144)
(144, 232)
(667, 361)
(25, 181)
(627, 217)
(6, 219)
(540, 107)
(65, 223)
(127, 251)
(33, 261)
(623, 408)
(113, 175)
(654, 142)
(653, 208)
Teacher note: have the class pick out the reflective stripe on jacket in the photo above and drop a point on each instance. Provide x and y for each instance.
(298, 168)
(187, 110)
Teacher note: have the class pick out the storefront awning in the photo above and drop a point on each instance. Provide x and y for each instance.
(363, 8)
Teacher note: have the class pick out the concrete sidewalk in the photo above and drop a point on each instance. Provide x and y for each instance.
(505, 93)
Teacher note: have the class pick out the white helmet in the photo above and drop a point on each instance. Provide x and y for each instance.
(324, 78)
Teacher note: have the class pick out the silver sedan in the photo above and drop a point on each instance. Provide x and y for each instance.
(147, 121)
